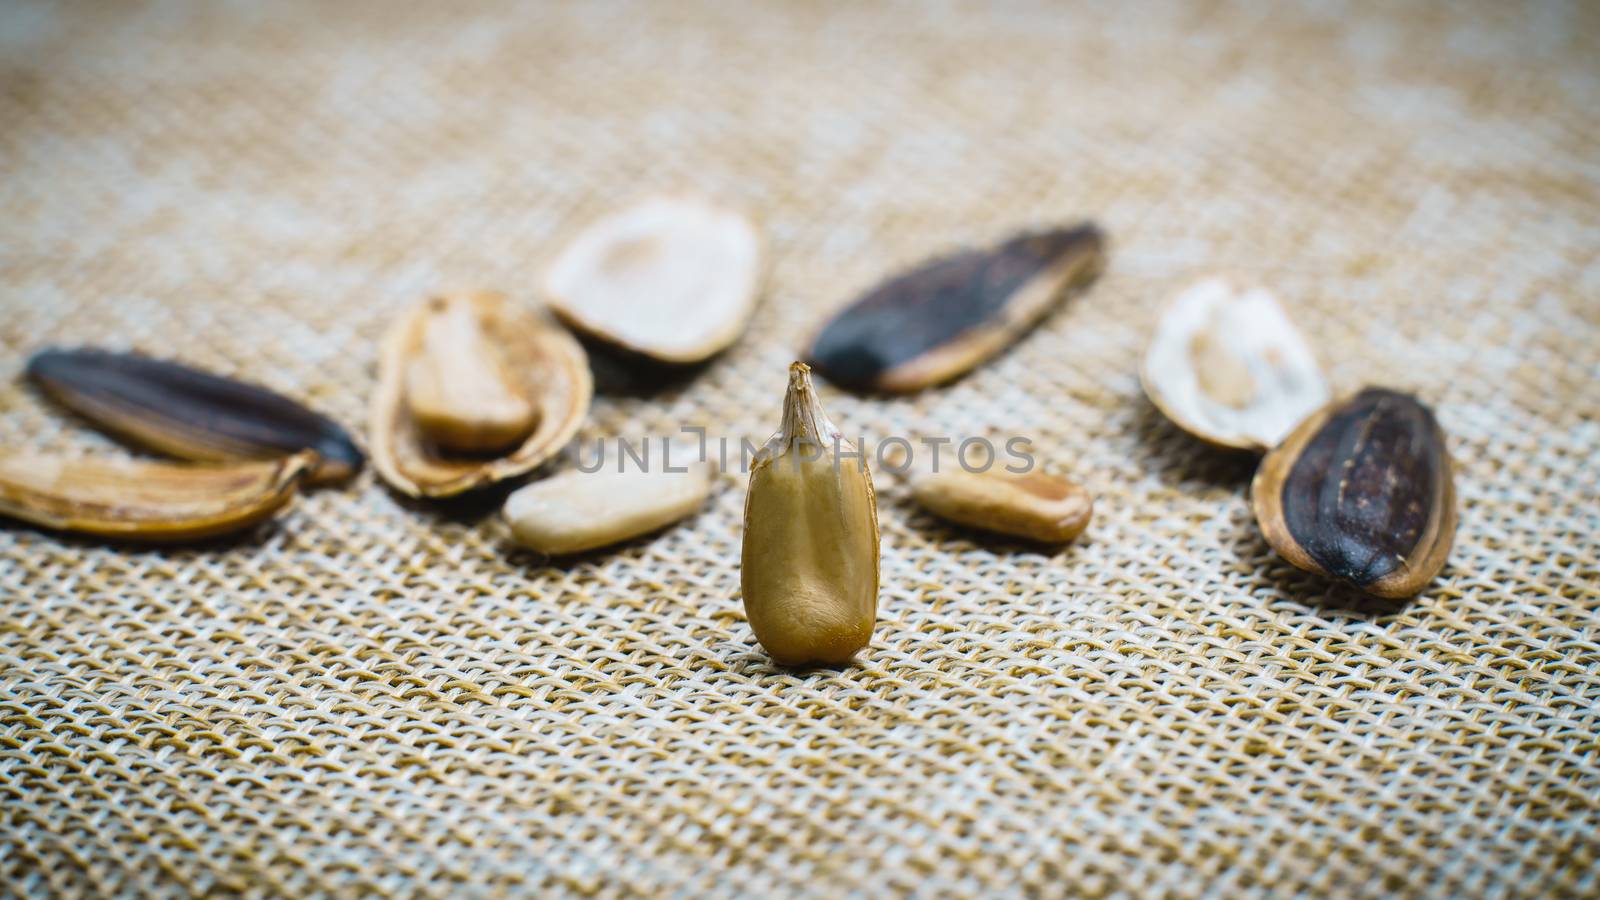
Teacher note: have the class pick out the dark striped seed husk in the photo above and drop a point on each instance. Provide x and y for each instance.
(189, 414)
(1362, 492)
(948, 315)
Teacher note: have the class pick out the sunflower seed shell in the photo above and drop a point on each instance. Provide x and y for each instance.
(1362, 491)
(140, 500)
(672, 279)
(1229, 367)
(946, 316)
(190, 414)
(542, 366)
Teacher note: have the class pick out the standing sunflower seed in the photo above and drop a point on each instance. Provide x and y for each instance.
(138, 500)
(459, 378)
(947, 316)
(1362, 491)
(671, 279)
(190, 414)
(809, 568)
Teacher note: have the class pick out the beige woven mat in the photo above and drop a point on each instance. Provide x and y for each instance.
(372, 696)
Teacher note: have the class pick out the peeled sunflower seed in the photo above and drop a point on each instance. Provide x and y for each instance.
(672, 279)
(1029, 505)
(188, 413)
(140, 500)
(946, 316)
(473, 371)
(809, 569)
(577, 511)
(458, 390)
(1362, 491)
(1229, 367)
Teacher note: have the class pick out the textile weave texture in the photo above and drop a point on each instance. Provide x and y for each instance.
(376, 696)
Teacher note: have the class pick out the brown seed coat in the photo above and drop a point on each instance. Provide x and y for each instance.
(809, 560)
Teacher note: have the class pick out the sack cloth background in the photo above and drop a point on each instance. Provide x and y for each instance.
(371, 695)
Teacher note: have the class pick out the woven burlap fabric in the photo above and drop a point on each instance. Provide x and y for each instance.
(376, 696)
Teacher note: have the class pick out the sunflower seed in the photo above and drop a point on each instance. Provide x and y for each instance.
(458, 390)
(1029, 505)
(577, 511)
(809, 567)
(540, 364)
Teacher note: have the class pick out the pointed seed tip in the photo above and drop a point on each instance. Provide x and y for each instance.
(799, 376)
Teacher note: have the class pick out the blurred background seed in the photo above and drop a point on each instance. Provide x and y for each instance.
(673, 279)
(1229, 367)
(1029, 505)
(948, 315)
